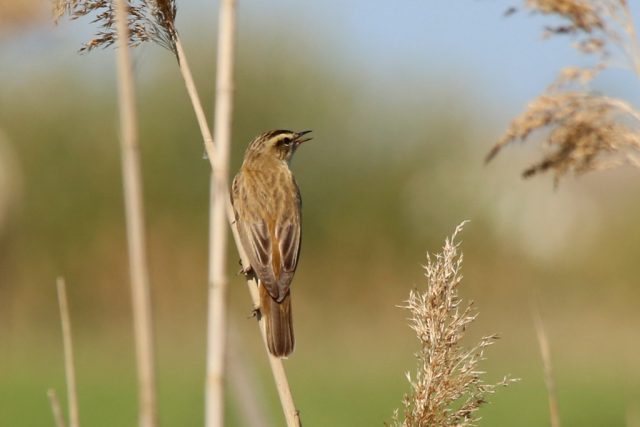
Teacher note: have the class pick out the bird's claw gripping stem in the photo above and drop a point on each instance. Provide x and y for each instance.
(247, 272)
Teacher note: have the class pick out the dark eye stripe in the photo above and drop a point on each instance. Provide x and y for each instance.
(284, 141)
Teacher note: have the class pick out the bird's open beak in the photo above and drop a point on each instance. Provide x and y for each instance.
(300, 139)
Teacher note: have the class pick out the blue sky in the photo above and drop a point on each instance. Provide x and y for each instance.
(429, 43)
(466, 41)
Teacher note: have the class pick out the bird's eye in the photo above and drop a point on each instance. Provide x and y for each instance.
(285, 141)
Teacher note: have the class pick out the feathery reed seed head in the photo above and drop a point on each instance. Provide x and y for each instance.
(149, 20)
(447, 388)
(585, 131)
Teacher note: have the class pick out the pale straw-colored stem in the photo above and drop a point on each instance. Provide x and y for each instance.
(291, 414)
(634, 48)
(201, 117)
(217, 311)
(56, 409)
(69, 365)
(243, 383)
(282, 384)
(545, 352)
(134, 212)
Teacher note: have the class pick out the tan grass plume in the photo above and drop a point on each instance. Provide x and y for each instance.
(149, 20)
(447, 388)
(582, 130)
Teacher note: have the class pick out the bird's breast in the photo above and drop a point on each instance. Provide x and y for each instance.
(272, 190)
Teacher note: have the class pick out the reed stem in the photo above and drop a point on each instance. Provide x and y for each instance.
(134, 212)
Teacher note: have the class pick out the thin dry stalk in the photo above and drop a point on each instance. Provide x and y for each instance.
(633, 49)
(69, 365)
(201, 117)
(142, 316)
(545, 351)
(217, 313)
(291, 414)
(447, 388)
(243, 384)
(56, 409)
(217, 322)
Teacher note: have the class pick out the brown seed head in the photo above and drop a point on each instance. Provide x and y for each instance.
(583, 130)
(148, 20)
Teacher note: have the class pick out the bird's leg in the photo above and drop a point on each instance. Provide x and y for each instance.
(247, 272)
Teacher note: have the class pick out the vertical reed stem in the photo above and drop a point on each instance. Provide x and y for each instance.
(244, 384)
(132, 182)
(217, 324)
(58, 419)
(69, 365)
(543, 342)
(633, 49)
(189, 83)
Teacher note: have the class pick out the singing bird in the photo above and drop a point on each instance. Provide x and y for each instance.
(267, 204)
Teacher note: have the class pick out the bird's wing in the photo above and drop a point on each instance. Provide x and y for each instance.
(256, 239)
(288, 238)
(272, 244)
(254, 236)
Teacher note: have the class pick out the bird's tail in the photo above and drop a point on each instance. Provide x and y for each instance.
(278, 323)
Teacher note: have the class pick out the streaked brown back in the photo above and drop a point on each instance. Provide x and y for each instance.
(267, 204)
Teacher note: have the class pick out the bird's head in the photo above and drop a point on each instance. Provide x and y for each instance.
(277, 144)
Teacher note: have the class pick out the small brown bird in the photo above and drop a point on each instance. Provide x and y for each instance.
(266, 201)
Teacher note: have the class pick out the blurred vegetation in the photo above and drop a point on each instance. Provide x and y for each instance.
(386, 178)
(16, 15)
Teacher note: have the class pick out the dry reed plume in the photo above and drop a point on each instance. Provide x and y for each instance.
(151, 20)
(447, 388)
(585, 131)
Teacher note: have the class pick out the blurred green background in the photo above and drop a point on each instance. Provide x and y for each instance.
(396, 163)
